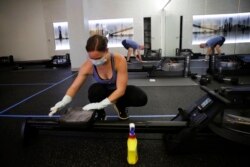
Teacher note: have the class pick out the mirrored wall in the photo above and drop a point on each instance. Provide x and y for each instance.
(204, 19)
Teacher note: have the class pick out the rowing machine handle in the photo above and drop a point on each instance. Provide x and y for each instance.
(215, 95)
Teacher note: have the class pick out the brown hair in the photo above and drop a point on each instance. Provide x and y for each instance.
(97, 43)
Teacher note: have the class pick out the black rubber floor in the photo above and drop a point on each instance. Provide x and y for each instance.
(30, 93)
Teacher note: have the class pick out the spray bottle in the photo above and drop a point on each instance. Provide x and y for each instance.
(132, 145)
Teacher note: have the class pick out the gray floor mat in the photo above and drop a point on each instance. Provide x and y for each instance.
(161, 82)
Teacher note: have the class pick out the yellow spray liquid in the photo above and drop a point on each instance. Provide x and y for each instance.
(132, 157)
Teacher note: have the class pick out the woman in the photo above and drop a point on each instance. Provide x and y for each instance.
(110, 73)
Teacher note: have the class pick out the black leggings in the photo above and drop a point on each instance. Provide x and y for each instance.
(133, 97)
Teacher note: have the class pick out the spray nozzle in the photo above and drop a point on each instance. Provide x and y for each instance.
(132, 129)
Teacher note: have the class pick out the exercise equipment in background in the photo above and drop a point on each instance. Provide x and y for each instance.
(55, 61)
(165, 66)
(150, 55)
(236, 64)
(59, 61)
(222, 79)
(203, 79)
(7, 60)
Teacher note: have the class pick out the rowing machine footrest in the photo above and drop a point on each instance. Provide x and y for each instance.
(184, 114)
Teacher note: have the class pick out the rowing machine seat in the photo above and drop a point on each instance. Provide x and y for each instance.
(77, 116)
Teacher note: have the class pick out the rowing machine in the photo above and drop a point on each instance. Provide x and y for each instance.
(222, 79)
(204, 79)
(167, 66)
(185, 124)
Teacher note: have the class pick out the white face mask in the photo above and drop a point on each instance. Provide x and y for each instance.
(100, 61)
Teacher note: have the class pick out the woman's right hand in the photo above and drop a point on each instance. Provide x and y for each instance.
(60, 105)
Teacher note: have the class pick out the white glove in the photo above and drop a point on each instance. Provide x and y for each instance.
(97, 106)
(60, 105)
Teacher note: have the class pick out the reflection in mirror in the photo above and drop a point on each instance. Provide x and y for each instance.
(206, 18)
(234, 27)
(61, 35)
(115, 30)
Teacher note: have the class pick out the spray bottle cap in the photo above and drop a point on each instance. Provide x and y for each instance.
(131, 129)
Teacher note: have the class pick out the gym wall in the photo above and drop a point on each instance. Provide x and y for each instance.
(22, 30)
(27, 33)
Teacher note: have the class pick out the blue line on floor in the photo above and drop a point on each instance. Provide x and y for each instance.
(108, 116)
(26, 99)
(29, 84)
(29, 116)
(145, 116)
